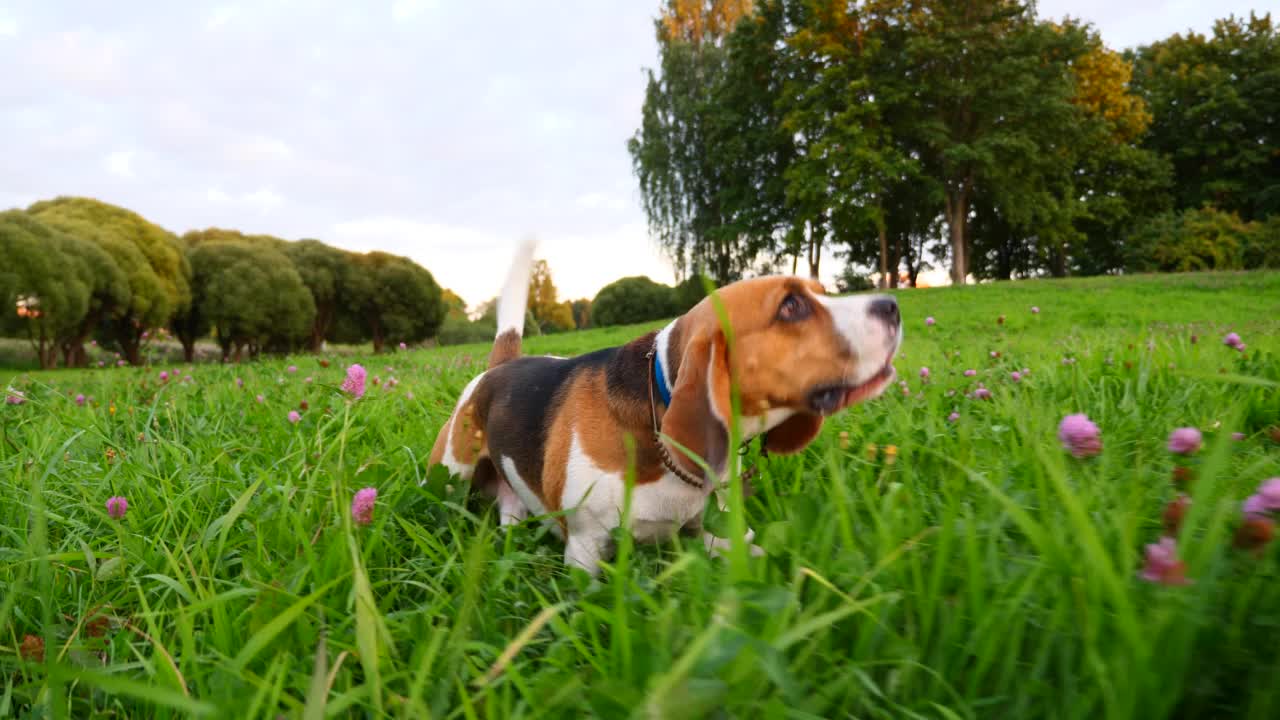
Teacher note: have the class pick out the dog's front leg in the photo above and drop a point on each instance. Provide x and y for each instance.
(716, 545)
(511, 508)
(587, 545)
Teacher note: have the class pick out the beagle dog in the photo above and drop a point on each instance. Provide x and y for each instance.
(546, 434)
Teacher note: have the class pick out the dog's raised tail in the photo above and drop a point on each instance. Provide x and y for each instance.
(511, 306)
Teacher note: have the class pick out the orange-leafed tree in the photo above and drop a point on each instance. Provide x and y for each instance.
(550, 314)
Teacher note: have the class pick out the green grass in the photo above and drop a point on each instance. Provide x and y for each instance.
(985, 573)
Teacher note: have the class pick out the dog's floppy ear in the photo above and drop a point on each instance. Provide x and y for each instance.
(700, 404)
(793, 434)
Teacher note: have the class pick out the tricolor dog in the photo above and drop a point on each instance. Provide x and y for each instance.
(546, 434)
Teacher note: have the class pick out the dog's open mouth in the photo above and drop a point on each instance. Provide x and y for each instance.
(830, 399)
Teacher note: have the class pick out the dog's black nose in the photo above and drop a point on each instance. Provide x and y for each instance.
(886, 309)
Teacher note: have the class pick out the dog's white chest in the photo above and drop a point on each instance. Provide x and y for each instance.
(595, 498)
(660, 509)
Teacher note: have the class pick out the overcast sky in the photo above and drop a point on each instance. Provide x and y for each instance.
(444, 130)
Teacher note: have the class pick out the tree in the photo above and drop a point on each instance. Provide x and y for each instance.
(321, 268)
(248, 294)
(1115, 184)
(632, 300)
(678, 153)
(106, 285)
(550, 314)
(455, 306)
(844, 157)
(393, 299)
(1214, 104)
(581, 313)
(45, 285)
(149, 256)
(991, 101)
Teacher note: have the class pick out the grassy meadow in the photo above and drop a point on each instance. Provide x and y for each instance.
(916, 566)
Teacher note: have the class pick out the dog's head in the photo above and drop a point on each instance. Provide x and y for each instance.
(796, 355)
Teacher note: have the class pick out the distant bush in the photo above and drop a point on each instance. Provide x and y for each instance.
(690, 292)
(850, 280)
(460, 331)
(632, 300)
(1262, 246)
(1204, 239)
(581, 313)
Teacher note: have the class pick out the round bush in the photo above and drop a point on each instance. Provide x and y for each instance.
(632, 300)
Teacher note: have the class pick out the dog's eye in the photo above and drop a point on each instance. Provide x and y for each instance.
(794, 307)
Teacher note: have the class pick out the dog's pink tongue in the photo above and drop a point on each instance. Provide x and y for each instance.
(866, 389)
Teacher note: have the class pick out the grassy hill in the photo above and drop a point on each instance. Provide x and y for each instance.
(917, 565)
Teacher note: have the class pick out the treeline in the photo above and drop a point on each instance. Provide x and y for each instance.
(904, 133)
(629, 300)
(77, 269)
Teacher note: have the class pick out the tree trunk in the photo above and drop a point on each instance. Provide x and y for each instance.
(1058, 261)
(1004, 259)
(897, 255)
(46, 349)
(957, 210)
(188, 350)
(377, 335)
(73, 354)
(884, 255)
(130, 347)
(320, 328)
(817, 231)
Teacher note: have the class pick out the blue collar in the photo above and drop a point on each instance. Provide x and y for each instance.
(661, 377)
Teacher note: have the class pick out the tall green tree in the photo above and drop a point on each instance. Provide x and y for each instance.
(677, 154)
(150, 257)
(321, 268)
(843, 158)
(45, 285)
(247, 293)
(392, 299)
(991, 98)
(107, 287)
(1215, 103)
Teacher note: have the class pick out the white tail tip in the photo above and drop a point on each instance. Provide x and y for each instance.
(515, 292)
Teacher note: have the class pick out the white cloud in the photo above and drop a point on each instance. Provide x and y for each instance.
(120, 163)
(220, 16)
(259, 149)
(1141, 22)
(15, 200)
(262, 200)
(551, 121)
(404, 10)
(83, 61)
(595, 200)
